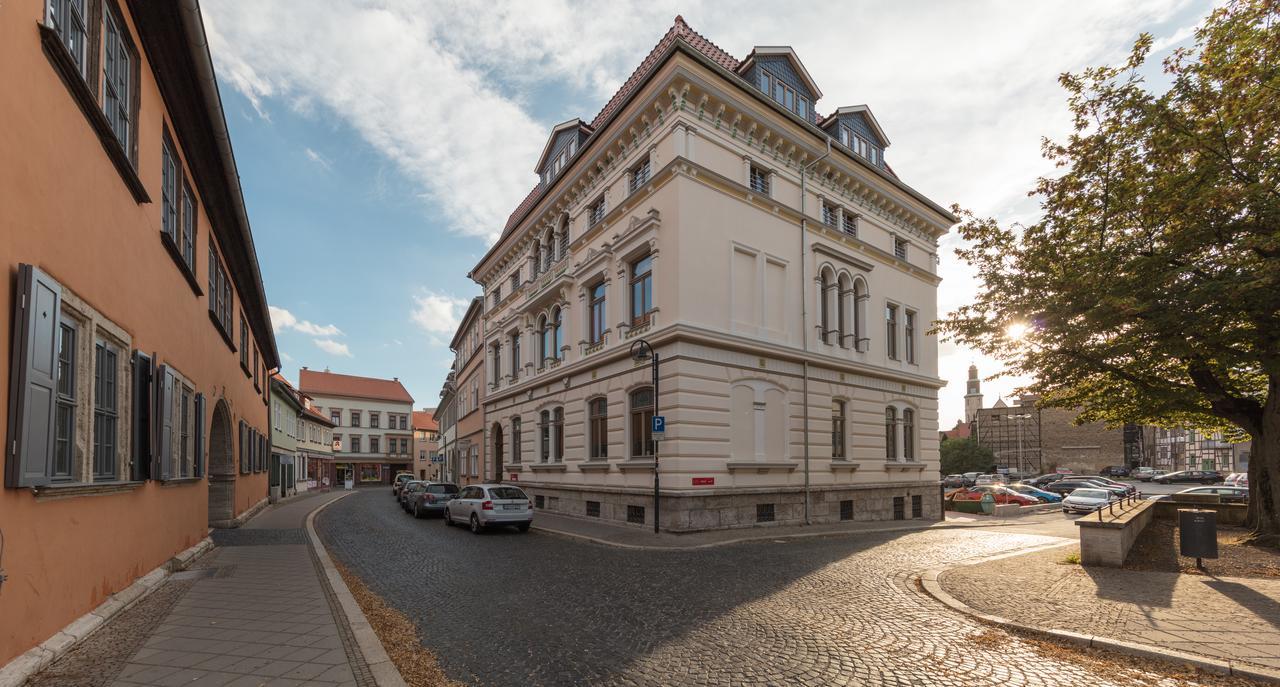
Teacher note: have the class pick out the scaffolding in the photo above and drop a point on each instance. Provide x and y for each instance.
(1013, 436)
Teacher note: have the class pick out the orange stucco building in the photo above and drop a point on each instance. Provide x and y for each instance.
(138, 337)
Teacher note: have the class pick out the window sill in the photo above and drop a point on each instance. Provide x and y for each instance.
(636, 464)
(57, 491)
(176, 253)
(65, 66)
(762, 467)
(844, 465)
(891, 465)
(547, 467)
(179, 481)
(217, 324)
(595, 465)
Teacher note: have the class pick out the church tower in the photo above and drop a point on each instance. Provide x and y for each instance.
(972, 395)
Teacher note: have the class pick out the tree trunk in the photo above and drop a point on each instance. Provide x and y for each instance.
(1264, 481)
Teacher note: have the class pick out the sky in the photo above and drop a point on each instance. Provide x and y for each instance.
(382, 144)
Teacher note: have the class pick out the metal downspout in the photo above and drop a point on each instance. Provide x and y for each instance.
(804, 314)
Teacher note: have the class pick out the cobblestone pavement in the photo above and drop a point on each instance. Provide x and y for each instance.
(536, 609)
(1226, 618)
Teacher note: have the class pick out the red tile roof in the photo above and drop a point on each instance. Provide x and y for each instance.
(316, 416)
(962, 430)
(679, 30)
(334, 384)
(425, 419)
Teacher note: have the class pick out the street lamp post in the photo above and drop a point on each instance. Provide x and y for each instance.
(641, 351)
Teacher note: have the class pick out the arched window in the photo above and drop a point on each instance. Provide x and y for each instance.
(642, 423)
(891, 433)
(564, 235)
(842, 309)
(908, 434)
(597, 316)
(824, 285)
(544, 342)
(548, 251)
(557, 439)
(837, 430)
(860, 298)
(544, 436)
(598, 428)
(557, 328)
(537, 258)
(515, 439)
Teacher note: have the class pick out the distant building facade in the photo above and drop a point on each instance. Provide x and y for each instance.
(372, 437)
(426, 445)
(468, 455)
(771, 257)
(315, 447)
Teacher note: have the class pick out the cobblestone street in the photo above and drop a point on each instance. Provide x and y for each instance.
(533, 609)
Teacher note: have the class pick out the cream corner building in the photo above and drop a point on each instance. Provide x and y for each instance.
(782, 271)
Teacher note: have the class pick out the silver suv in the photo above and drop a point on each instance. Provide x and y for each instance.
(489, 505)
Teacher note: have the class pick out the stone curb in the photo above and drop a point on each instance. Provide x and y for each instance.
(384, 671)
(16, 672)
(764, 535)
(930, 582)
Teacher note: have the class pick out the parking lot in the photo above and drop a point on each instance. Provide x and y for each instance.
(505, 608)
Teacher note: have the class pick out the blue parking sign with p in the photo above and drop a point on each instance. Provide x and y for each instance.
(659, 424)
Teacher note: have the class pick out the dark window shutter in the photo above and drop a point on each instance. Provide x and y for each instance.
(33, 382)
(164, 421)
(244, 449)
(199, 435)
(143, 371)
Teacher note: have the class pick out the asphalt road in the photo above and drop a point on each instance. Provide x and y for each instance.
(505, 608)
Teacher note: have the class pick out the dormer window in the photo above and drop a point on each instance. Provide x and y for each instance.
(860, 145)
(787, 96)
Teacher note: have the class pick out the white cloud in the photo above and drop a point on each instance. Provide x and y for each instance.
(333, 347)
(438, 313)
(286, 357)
(282, 319)
(317, 158)
(446, 93)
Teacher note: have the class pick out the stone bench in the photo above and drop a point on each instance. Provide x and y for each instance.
(1107, 536)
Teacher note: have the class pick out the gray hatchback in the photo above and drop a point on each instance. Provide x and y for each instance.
(431, 497)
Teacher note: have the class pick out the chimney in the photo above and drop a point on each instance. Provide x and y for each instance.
(305, 367)
(395, 379)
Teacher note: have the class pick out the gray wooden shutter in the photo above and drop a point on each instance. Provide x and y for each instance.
(33, 384)
(142, 396)
(244, 448)
(164, 421)
(199, 435)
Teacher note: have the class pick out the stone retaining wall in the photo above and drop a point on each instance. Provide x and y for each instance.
(1107, 542)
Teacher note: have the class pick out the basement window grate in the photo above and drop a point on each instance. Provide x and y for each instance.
(635, 515)
(899, 508)
(593, 509)
(846, 509)
(917, 507)
(764, 512)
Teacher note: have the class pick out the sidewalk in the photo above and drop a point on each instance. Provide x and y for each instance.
(632, 537)
(1231, 620)
(258, 612)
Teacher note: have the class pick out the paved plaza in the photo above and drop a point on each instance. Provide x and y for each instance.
(506, 608)
(1220, 617)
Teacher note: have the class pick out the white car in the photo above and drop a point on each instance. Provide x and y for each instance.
(1087, 500)
(984, 480)
(1237, 479)
(489, 505)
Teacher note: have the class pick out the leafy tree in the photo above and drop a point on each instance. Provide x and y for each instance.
(1149, 291)
(965, 455)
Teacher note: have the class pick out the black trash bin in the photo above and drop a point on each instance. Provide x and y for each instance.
(1198, 533)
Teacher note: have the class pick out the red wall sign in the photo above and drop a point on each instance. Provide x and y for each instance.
(703, 481)
(515, 477)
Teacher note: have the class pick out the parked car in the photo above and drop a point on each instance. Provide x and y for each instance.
(1042, 480)
(1066, 486)
(1151, 476)
(1237, 479)
(1185, 476)
(405, 493)
(954, 481)
(1128, 488)
(431, 498)
(988, 479)
(398, 482)
(1002, 495)
(971, 478)
(1028, 490)
(1225, 494)
(490, 505)
(1114, 471)
(1086, 500)
(1142, 474)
